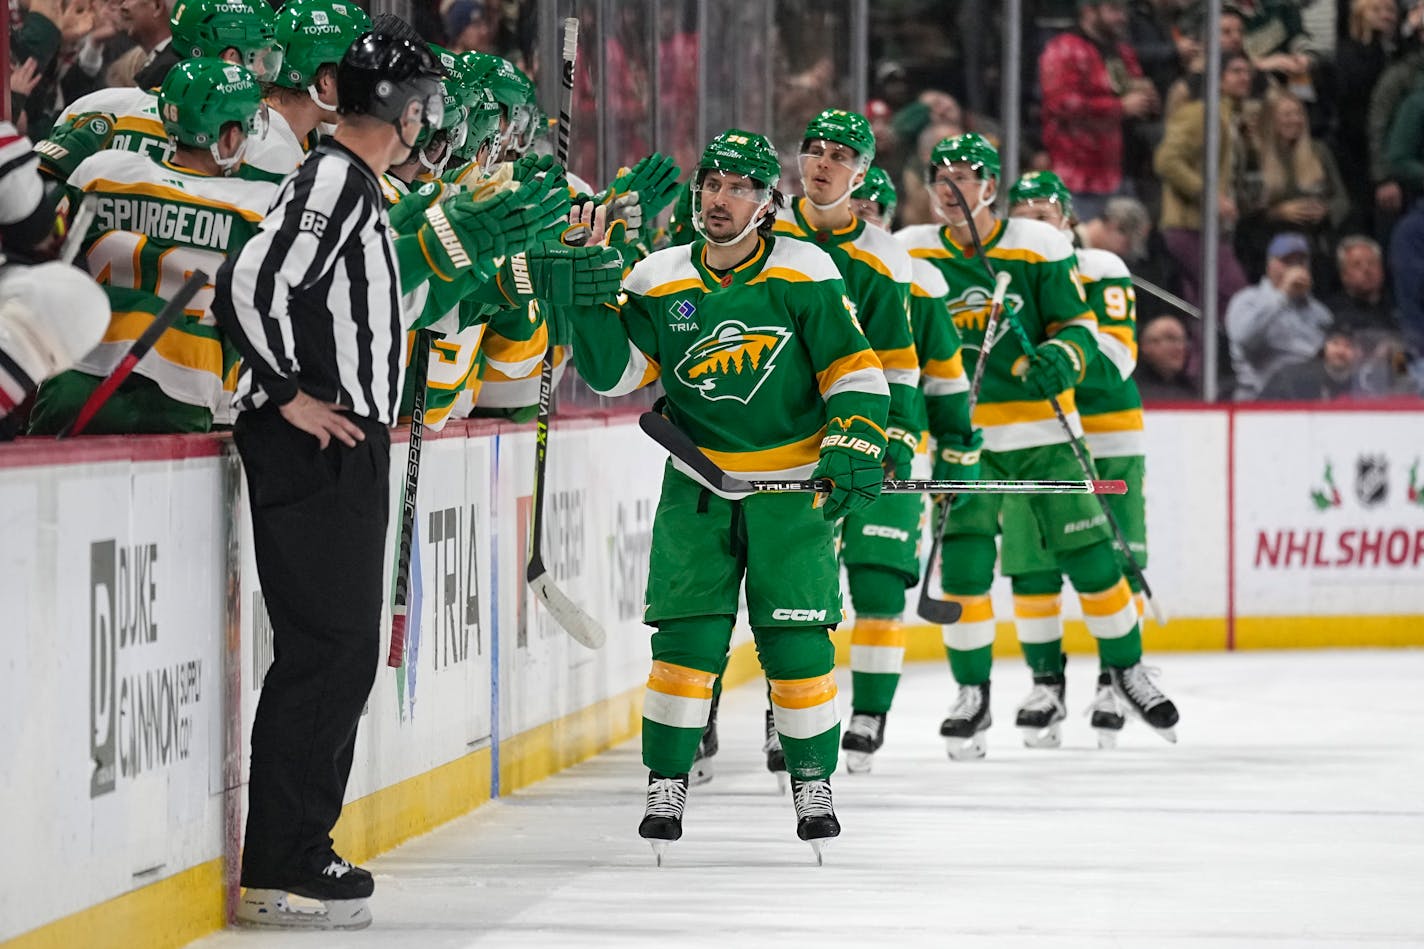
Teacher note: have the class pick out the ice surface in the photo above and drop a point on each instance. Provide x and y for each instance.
(1290, 813)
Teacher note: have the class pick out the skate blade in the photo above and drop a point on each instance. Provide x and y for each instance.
(701, 774)
(1170, 734)
(1050, 737)
(274, 909)
(965, 749)
(818, 847)
(1107, 738)
(783, 782)
(858, 762)
(659, 849)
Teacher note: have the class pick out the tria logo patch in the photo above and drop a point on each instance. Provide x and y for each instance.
(682, 310)
(733, 361)
(970, 311)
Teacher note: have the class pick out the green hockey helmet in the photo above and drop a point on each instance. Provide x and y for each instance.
(201, 97)
(879, 188)
(212, 27)
(514, 91)
(481, 128)
(971, 149)
(1042, 186)
(850, 129)
(737, 152)
(315, 33)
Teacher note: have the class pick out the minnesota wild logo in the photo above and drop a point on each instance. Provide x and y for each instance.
(732, 361)
(970, 310)
(1327, 496)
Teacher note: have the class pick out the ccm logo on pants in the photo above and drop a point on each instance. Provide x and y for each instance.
(886, 531)
(800, 616)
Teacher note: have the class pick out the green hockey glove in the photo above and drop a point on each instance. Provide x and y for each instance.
(655, 180)
(71, 143)
(407, 214)
(1054, 367)
(853, 458)
(957, 456)
(563, 276)
(900, 450)
(527, 166)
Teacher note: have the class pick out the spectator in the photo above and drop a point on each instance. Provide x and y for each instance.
(1406, 264)
(1163, 49)
(1363, 54)
(148, 24)
(1278, 44)
(469, 27)
(1092, 86)
(1329, 374)
(1395, 83)
(1161, 373)
(1122, 229)
(1232, 30)
(1295, 187)
(1179, 163)
(105, 43)
(1362, 303)
(1404, 146)
(1277, 321)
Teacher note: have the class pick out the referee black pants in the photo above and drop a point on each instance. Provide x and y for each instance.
(319, 529)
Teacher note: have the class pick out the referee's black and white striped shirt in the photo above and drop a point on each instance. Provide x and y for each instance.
(313, 300)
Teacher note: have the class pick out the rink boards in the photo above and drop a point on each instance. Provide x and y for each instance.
(133, 664)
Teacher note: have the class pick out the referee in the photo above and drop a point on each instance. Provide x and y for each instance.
(313, 305)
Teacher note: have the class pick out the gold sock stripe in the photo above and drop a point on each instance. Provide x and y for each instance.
(681, 681)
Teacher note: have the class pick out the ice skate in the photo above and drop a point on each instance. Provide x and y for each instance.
(862, 739)
(775, 757)
(1134, 684)
(815, 816)
(963, 731)
(334, 898)
(706, 748)
(662, 817)
(1105, 714)
(1041, 715)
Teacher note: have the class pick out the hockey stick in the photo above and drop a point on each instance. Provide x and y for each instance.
(79, 222)
(577, 623)
(1166, 296)
(931, 607)
(166, 317)
(401, 600)
(1086, 464)
(680, 446)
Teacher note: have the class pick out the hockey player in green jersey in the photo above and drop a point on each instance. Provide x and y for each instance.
(237, 31)
(1111, 412)
(767, 370)
(879, 545)
(1022, 436)
(155, 222)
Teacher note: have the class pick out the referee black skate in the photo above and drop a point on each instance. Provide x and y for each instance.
(313, 305)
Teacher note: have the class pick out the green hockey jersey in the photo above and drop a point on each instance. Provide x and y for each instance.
(754, 362)
(1046, 296)
(154, 224)
(876, 271)
(944, 387)
(1108, 401)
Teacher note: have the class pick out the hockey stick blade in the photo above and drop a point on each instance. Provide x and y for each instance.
(677, 443)
(939, 612)
(581, 627)
(166, 317)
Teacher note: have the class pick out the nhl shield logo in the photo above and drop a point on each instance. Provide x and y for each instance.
(733, 361)
(1372, 479)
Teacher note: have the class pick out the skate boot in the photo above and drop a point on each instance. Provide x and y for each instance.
(1105, 713)
(815, 817)
(862, 739)
(706, 749)
(775, 757)
(339, 890)
(963, 731)
(1145, 700)
(662, 818)
(1041, 715)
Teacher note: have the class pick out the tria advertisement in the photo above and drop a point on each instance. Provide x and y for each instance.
(1329, 513)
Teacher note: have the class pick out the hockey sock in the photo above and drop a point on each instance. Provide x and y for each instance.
(798, 661)
(688, 656)
(1038, 620)
(1108, 608)
(877, 640)
(966, 573)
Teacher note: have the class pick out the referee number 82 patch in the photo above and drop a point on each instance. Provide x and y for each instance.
(313, 221)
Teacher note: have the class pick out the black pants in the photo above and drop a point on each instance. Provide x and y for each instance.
(319, 527)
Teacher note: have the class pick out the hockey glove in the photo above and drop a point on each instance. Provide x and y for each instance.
(900, 450)
(1053, 367)
(562, 276)
(957, 456)
(853, 458)
(503, 224)
(407, 214)
(654, 178)
(527, 166)
(625, 219)
(71, 143)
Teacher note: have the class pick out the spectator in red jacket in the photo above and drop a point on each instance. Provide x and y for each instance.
(1092, 84)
